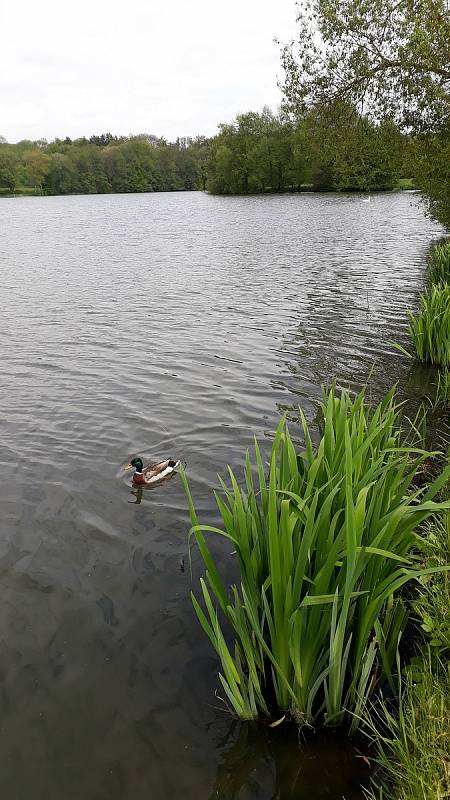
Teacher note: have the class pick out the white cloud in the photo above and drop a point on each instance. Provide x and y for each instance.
(172, 69)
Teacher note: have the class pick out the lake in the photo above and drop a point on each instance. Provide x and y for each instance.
(165, 325)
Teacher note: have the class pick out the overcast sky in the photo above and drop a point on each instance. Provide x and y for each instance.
(168, 67)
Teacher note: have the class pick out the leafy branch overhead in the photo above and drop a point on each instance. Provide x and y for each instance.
(389, 57)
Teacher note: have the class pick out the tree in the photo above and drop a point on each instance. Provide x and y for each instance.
(220, 177)
(103, 140)
(390, 59)
(115, 166)
(61, 176)
(252, 154)
(336, 149)
(387, 57)
(37, 165)
(201, 147)
(105, 163)
(8, 168)
(328, 148)
(431, 164)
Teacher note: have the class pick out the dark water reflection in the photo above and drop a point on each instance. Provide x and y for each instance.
(162, 325)
(257, 762)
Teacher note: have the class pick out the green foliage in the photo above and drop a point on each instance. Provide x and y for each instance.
(36, 164)
(104, 163)
(412, 745)
(430, 327)
(329, 148)
(323, 545)
(388, 57)
(433, 602)
(442, 397)
(431, 169)
(253, 154)
(9, 167)
(439, 267)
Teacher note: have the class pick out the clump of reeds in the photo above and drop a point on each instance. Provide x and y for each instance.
(439, 267)
(430, 327)
(324, 542)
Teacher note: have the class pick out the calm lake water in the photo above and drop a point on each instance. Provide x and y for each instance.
(165, 325)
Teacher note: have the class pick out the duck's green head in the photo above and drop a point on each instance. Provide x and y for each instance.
(137, 463)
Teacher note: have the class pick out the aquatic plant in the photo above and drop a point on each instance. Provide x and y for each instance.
(323, 543)
(439, 267)
(430, 328)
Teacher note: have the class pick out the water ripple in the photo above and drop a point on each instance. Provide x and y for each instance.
(166, 324)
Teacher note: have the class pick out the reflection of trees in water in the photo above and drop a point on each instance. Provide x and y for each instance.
(416, 387)
(263, 763)
(419, 389)
(326, 344)
(238, 761)
(343, 330)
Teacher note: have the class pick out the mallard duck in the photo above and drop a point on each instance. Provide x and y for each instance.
(152, 473)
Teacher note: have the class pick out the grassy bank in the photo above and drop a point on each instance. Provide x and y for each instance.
(22, 191)
(412, 740)
(403, 184)
(413, 753)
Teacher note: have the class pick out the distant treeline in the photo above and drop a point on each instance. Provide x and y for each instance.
(334, 149)
(104, 164)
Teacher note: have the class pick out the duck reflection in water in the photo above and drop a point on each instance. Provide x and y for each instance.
(138, 490)
(260, 763)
